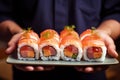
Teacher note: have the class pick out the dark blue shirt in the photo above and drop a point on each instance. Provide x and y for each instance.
(43, 14)
(55, 14)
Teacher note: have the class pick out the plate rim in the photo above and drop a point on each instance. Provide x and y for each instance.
(11, 60)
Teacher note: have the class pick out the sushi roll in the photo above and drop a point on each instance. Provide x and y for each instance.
(70, 45)
(28, 46)
(94, 48)
(68, 31)
(49, 45)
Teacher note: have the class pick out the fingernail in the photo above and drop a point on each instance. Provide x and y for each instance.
(116, 54)
(30, 68)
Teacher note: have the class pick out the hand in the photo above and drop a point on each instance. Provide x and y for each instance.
(12, 46)
(34, 68)
(9, 27)
(91, 69)
(111, 51)
(13, 43)
(111, 48)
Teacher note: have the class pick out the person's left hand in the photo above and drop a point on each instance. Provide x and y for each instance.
(111, 50)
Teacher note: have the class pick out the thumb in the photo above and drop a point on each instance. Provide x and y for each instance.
(111, 48)
(12, 43)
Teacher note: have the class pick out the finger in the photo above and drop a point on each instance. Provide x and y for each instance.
(79, 69)
(111, 47)
(101, 68)
(34, 68)
(12, 43)
(91, 69)
(24, 68)
(109, 43)
(94, 69)
(112, 51)
(85, 69)
(44, 68)
(48, 68)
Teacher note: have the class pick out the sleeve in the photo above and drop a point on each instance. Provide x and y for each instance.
(111, 10)
(6, 8)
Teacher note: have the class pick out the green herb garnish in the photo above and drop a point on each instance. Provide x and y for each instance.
(46, 35)
(70, 27)
(74, 56)
(93, 29)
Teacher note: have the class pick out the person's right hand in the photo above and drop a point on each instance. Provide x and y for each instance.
(12, 46)
(10, 27)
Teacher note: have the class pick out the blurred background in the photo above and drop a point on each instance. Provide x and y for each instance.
(112, 73)
(5, 69)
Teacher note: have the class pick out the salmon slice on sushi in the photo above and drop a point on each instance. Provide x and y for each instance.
(28, 46)
(69, 31)
(49, 45)
(94, 48)
(70, 45)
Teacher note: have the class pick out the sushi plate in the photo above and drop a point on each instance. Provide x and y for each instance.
(108, 61)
